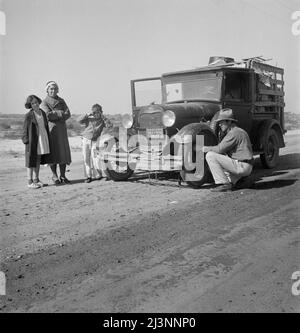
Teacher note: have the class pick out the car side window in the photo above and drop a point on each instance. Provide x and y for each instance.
(237, 86)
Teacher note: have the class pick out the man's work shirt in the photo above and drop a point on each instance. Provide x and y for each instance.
(235, 144)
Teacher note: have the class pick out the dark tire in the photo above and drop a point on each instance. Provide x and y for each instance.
(112, 170)
(209, 140)
(270, 156)
(213, 123)
(215, 128)
(206, 179)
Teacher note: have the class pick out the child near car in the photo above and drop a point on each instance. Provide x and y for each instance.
(94, 123)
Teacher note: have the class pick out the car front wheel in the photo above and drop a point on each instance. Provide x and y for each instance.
(117, 170)
(190, 177)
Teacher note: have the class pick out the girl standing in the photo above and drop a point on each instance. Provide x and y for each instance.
(36, 139)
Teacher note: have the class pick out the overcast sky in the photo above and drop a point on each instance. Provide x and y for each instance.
(93, 48)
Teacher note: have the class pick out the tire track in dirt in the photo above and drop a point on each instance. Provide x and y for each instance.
(154, 262)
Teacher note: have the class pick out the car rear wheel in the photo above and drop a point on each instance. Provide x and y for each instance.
(270, 156)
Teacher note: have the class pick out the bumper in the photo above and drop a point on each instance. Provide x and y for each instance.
(147, 161)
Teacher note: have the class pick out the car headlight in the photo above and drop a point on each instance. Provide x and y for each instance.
(127, 121)
(168, 118)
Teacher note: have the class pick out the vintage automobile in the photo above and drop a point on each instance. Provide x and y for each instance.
(185, 104)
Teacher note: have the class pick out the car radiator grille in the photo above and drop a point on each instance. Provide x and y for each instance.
(150, 120)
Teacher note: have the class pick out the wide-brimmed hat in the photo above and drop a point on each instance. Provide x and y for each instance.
(226, 114)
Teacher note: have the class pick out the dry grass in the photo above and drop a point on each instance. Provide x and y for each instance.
(11, 125)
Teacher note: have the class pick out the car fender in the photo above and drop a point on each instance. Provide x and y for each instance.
(189, 132)
(187, 135)
(264, 129)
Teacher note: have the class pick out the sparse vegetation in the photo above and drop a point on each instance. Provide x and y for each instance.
(4, 125)
(292, 121)
(11, 124)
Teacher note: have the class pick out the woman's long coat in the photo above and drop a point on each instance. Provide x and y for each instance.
(57, 113)
(30, 139)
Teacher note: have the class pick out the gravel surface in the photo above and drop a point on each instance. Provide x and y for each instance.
(141, 246)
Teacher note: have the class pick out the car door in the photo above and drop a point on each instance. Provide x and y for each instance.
(145, 92)
(237, 95)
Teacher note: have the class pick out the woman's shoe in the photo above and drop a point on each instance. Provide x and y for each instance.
(88, 180)
(33, 186)
(55, 181)
(64, 180)
(39, 183)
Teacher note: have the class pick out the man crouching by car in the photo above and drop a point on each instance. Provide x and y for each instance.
(231, 161)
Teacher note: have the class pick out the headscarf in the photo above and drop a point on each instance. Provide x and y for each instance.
(51, 83)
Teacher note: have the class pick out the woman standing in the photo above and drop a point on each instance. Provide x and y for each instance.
(36, 139)
(57, 112)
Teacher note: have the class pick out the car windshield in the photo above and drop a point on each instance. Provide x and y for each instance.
(147, 92)
(193, 89)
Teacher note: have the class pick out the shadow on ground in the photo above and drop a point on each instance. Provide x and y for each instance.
(266, 185)
(286, 162)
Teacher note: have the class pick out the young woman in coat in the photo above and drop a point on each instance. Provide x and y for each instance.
(57, 113)
(36, 139)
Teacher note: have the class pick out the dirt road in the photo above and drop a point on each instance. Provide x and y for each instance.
(138, 246)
